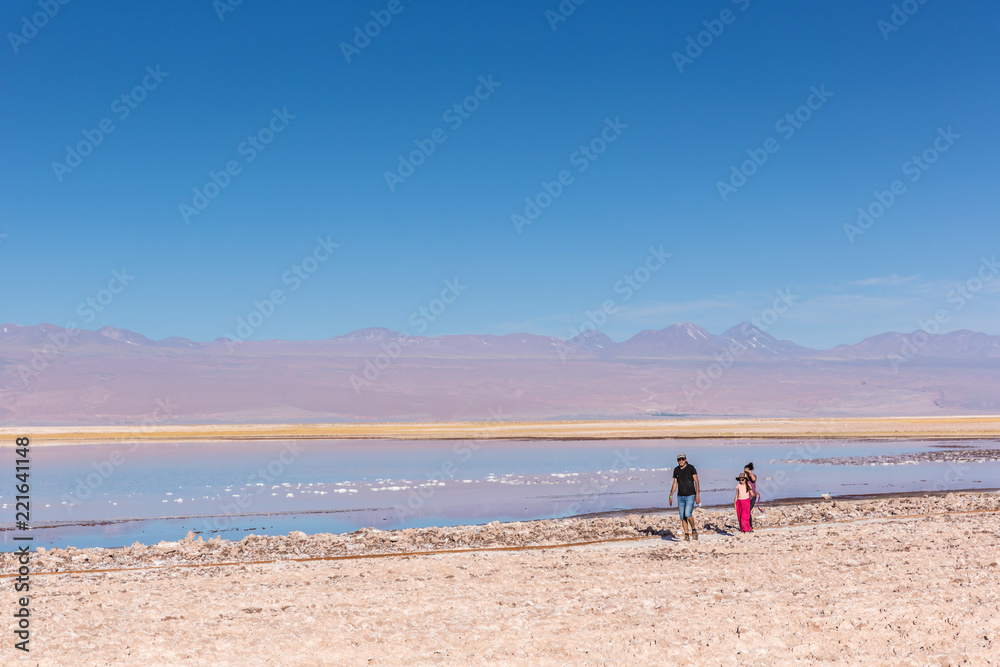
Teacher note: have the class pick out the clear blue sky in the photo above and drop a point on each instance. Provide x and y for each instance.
(323, 174)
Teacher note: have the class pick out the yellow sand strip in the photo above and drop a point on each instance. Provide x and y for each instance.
(950, 427)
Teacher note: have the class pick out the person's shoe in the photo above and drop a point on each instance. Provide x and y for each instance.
(687, 538)
(695, 535)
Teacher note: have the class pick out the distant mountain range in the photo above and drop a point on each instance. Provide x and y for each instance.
(677, 341)
(52, 375)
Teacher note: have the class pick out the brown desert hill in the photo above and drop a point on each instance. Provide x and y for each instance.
(958, 345)
(684, 340)
(593, 342)
(748, 337)
(688, 341)
(124, 336)
(114, 376)
(17, 338)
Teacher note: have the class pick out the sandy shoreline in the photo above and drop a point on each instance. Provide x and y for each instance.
(896, 581)
(954, 427)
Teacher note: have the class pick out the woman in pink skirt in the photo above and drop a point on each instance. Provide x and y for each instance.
(743, 497)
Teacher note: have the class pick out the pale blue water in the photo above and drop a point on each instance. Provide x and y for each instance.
(115, 494)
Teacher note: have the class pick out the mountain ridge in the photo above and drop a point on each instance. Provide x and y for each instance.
(679, 340)
(50, 375)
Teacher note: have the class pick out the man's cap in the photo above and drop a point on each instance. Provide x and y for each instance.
(681, 456)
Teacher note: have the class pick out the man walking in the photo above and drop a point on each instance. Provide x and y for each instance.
(688, 493)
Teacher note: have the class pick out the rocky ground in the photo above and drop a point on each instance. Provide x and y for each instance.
(905, 580)
(195, 550)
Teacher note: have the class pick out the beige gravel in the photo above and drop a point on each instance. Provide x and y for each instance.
(866, 584)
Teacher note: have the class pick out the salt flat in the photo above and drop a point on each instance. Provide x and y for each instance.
(901, 581)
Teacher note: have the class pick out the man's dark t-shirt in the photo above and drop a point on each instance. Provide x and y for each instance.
(685, 480)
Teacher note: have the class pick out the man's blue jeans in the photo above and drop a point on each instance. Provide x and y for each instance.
(686, 506)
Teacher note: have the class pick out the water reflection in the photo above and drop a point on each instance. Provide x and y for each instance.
(116, 494)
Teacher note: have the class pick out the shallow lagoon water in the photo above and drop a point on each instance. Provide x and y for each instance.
(111, 495)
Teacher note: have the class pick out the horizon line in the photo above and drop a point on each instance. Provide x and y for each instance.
(585, 332)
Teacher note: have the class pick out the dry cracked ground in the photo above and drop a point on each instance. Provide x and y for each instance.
(895, 581)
